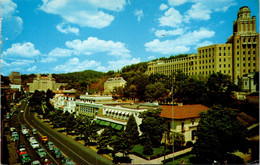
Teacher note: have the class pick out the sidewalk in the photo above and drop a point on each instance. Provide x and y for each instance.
(136, 159)
(13, 157)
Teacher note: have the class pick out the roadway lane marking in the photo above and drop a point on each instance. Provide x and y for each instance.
(62, 144)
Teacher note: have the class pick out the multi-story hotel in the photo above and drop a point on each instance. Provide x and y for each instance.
(237, 57)
(15, 78)
(43, 83)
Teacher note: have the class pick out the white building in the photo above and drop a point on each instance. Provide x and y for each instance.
(113, 82)
(183, 119)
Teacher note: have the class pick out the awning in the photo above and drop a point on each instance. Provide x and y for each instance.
(97, 121)
(123, 113)
(118, 127)
(113, 125)
(107, 123)
(102, 122)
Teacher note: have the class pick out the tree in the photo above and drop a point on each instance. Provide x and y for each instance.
(152, 125)
(256, 80)
(219, 89)
(219, 133)
(176, 139)
(105, 139)
(156, 91)
(132, 130)
(90, 132)
(123, 144)
(70, 123)
(148, 150)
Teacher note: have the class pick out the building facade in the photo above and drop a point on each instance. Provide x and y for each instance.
(113, 82)
(245, 41)
(15, 78)
(238, 56)
(43, 83)
(183, 119)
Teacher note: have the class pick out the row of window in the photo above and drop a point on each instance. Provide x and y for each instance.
(249, 58)
(245, 64)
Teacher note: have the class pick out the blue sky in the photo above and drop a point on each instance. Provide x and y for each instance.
(61, 36)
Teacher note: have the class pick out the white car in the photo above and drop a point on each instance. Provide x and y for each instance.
(21, 111)
(25, 131)
(31, 139)
(34, 144)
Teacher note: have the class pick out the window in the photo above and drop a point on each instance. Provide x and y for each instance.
(244, 52)
(220, 60)
(237, 64)
(224, 60)
(182, 127)
(237, 53)
(248, 52)
(248, 58)
(237, 47)
(229, 65)
(219, 48)
(238, 59)
(244, 64)
(237, 40)
(220, 65)
(248, 64)
(224, 65)
(253, 52)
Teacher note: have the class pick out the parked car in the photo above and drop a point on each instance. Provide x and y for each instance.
(57, 153)
(44, 139)
(50, 146)
(31, 139)
(41, 153)
(21, 151)
(15, 138)
(12, 129)
(67, 161)
(36, 162)
(34, 144)
(34, 131)
(25, 159)
(25, 131)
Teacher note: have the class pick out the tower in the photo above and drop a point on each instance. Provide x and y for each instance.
(245, 40)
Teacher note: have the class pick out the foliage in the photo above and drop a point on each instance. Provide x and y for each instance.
(156, 91)
(219, 89)
(105, 139)
(123, 144)
(132, 130)
(148, 146)
(176, 139)
(90, 132)
(256, 80)
(219, 133)
(152, 126)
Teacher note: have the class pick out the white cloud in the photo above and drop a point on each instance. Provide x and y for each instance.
(172, 18)
(176, 2)
(151, 57)
(181, 44)
(74, 64)
(85, 13)
(13, 23)
(118, 64)
(164, 33)
(49, 59)
(205, 43)
(8, 8)
(197, 12)
(59, 52)
(21, 62)
(23, 50)
(163, 7)
(95, 45)
(4, 63)
(67, 29)
(139, 14)
(33, 68)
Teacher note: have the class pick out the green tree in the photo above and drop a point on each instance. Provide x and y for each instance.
(123, 144)
(132, 130)
(152, 125)
(90, 132)
(176, 139)
(156, 91)
(70, 123)
(105, 139)
(219, 133)
(148, 150)
(220, 89)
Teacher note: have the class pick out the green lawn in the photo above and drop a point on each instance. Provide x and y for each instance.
(179, 160)
(156, 151)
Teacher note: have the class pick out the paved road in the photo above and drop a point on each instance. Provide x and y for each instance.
(76, 151)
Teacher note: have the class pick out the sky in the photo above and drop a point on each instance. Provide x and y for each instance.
(61, 36)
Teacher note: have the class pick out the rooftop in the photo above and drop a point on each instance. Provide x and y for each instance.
(183, 112)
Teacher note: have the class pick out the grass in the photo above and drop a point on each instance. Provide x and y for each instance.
(156, 151)
(186, 160)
